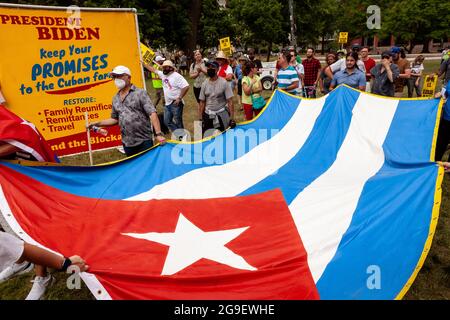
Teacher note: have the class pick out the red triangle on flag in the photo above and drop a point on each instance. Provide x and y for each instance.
(245, 247)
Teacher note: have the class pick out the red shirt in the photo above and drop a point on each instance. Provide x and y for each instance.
(311, 69)
(222, 71)
(369, 64)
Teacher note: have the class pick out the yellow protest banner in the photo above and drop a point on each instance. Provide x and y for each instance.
(55, 64)
(429, 86)
(147, 54)
(343, 37)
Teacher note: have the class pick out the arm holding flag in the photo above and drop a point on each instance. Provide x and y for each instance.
(7, 149)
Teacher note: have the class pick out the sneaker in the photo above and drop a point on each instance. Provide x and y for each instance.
(15, 270)
(40, 285)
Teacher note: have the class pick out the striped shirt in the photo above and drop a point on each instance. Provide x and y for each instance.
(286, 77)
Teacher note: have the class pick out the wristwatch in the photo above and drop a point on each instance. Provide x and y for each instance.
(65, 264)
(159, 134)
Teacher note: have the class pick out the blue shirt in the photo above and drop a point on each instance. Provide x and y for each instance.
(354, 80)
(286, 77)
(447, 103)
(238, 72)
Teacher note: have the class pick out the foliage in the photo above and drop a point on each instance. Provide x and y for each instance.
(261, 23)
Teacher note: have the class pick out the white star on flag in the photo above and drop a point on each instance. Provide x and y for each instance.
(32, 126)
(188, 244)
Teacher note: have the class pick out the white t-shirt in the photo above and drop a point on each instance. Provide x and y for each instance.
(341, 65)
(416, 69)
(11, 250)
(300, 71)
(172, 86)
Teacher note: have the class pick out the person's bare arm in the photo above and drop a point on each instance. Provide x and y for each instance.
(194, 73)
(321, 85)
(406, 75)
(258, 88)
(292, 86)
(6, 149)
(318, 76)
(389, 73)
(149, 68)
(157, 126)
(246, 88)
(104, 123)
(328, 72)
(182, 94)
(46, 258)
(201, 109)
(231, 108)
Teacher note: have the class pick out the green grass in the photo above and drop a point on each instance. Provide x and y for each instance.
(433, 281)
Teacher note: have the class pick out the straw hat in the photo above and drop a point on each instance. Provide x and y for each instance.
(168, 63)
(221, 55)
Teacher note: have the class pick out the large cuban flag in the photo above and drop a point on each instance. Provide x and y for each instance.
(330, 198)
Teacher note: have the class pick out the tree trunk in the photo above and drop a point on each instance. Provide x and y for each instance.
(426, 43)
(269, 50)
(323, 44)
(194, 16)
(411, 46)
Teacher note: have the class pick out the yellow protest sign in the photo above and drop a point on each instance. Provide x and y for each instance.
(55, 64)
(343, 37)
(147, 54)
(429, 86)
(225, 45)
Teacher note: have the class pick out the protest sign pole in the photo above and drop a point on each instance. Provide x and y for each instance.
(88, 133)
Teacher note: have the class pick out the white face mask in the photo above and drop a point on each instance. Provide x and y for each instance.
(120, 84)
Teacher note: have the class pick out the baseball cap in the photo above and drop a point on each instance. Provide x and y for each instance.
(395, 50)
(159, 59)
(213, 64)
(120, 70)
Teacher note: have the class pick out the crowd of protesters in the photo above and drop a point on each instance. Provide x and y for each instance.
(217, 81)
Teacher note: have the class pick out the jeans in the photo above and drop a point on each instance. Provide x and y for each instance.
(173, 116)
(130, 151)
(411, 84)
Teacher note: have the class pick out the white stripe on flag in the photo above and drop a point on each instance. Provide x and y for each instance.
(324, 210)
(237, 176)
(26, 148)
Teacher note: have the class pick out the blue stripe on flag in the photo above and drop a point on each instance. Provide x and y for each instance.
(128, 178)
(393, 215)
(319, 151)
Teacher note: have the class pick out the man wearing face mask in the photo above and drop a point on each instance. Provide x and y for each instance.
(175, 88)
(216, 102)
(131, 109)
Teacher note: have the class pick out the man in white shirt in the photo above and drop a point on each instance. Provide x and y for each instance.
(175, 88)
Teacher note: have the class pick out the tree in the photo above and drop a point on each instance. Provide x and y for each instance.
(215, 23)
(262, 18)
(413, 23)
